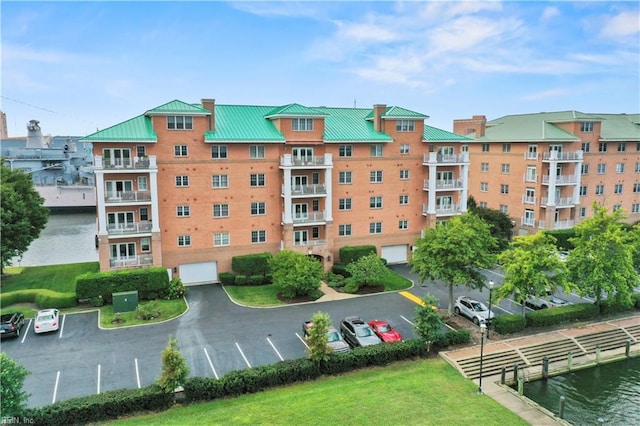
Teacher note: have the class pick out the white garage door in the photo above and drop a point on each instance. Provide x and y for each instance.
(199, 273)
(395, 254)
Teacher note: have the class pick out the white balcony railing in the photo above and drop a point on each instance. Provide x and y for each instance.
(101, 163)
(443, 210)
(310, 243)
(528, 177)
(559, 224)
(559, 202)
(531, 156)
(561, 179)
(310, 217)
(562, 156)
(311, 190)
(527, 221)
(129, 228)
(439, 158)
(127, 196)
(289, 160)
(131, 262)
(444, 184)
(528, 200)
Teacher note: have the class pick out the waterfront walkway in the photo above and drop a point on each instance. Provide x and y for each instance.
(565, 350)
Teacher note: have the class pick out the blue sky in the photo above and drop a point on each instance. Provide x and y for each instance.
(82, 66)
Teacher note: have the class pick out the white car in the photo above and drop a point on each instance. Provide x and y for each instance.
(474, 310)
(47, 320)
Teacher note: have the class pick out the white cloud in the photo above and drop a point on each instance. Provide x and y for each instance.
(623, 24)
(365, 32)
(550, 12)
(545, 94)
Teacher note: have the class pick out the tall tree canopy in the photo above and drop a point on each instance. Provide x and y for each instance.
(296, 274)
(22, 215)
(454, 252)
(532, 266)
(500, 223)
(602, 262)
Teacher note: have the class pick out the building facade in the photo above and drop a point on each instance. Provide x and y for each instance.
(546, 170)
(190, 186)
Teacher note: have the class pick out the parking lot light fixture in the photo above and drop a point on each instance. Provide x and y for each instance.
(483, 329)
(491, 284)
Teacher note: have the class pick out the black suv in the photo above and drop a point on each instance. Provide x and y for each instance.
(11, 324)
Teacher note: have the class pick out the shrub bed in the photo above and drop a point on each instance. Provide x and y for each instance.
(227, 278)
(507, 324)
(251, 264)
(546, 317)
(45, 299)
(150, 283)
(350, 254)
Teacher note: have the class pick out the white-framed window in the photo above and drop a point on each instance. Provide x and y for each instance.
(220, 181)
(483, 204)
(221, 239)
(221, 210)
(344, 204)
(584, 169)
(315, 232)
(404, 199)
(180, 150)
(532, 152)
(116, 157)
(123, 251)
(315, 205)
(637, 168)
(530, 196)
(602, 147)
(375, 176)
(375, 228)
(377, 150)
(464, 148)
(583, 190)
(302, 124)
(120, 221)
(145, 244)
(504, 209)
(142, 183)
(405, 125)
(635, 208)
(485, 147)
(404, 174)
(179, 122)
(529, 218)
(403, 224)
(258, 208)
(182, 180)
(219, 152)
(405, 149)
(259, 236)
(141, 151)
(345, 151)
(620, 168)
(602, 168)
(183, 211)
(617, 189)
(599, 189)
(504, 188)
(115, 188)
(636, 188)
(344, 230)
(586, 147)
(375, 202)
(622, 146)
(484, 167)
(505, 168)
(616, 207)
(184, 240)
(484, 186)
(506, 147)
(344, 178)
(583, 211)
(256, 151)
(586, 127)
(257, 179)
(144, 214)
(531, 174)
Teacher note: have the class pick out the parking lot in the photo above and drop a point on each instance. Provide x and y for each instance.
(216, 336)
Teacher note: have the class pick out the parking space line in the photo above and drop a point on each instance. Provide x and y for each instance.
(135, 360)
(406, 320)
(98, 388)
(302, 340)
(55, 388)
(62, 326)
(493, 272)
(210, 363)
(24, 336)
(501, 308)
(243, 357)
(274, 348)
(520, 304)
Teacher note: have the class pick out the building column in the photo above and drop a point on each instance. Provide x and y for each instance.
(155, 209)
(329, 185)
(431, 196)
(465, 187)
(551, 191)
(287, 196)
(100, 203)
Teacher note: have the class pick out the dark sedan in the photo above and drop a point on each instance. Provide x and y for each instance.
(11, 324)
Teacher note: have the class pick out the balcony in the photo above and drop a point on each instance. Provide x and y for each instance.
(531, 156)
(561, 180)
(287, 160)
(131, 262)
(527, 221)
(528, 200)
(444, 184)
(562, 156)
(559, 224)
(444, 210)
(559, 202)
(532, 178)
(114, 229)
(307, 190)
(308, 218)
(135, 163)
(127, 196)
(438, 158)
(310, 243)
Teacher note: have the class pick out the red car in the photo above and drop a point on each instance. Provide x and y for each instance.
(385, 332)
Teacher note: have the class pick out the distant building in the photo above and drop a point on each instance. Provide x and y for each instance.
(190, 186)
(545, 170)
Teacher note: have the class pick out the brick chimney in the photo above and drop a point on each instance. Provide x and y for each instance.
(378, 110)
(210, 104)
(465, 126)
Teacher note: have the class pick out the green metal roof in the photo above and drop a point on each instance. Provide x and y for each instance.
(243, 123)
(620, 127)
(137, 129)
(438, 135)
(350, 125)
(395, 112)
(294, 110)
(178, 107)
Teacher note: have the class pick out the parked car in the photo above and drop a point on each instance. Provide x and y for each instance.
(474, 310)
(47, 320)
(548, 300)
(334, 339)
(385, 331)
(11, 324)
(358, 333)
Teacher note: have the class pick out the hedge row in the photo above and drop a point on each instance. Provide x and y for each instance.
(507, 324)
(151, 283)
(251, 264)
(101, 407)
(228, 278)
(350, 254)
(44, 298)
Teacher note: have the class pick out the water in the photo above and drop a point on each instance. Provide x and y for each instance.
(608, 392)
(67, 238)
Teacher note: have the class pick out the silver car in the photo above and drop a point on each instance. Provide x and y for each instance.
(358, 333)
(474, 310)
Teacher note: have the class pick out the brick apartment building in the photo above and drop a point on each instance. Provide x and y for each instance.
(189, 186)
(545, 170)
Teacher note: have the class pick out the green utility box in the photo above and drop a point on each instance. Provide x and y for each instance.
(126, 301)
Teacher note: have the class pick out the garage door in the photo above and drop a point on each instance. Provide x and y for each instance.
(395, 254)
(199, 273)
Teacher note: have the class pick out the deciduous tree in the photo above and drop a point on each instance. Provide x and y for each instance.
(296, 274)
(428, 322)
(454, 252)
(317, 340)
(13, 400)
(175, 370)
(368, 269)
(22, 215)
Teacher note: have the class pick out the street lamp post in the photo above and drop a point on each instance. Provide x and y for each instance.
(483, 328)
(491, 284)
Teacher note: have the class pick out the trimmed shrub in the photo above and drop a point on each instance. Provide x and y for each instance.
(176, 289)
(227, 278)
(636, 298)
(44, 298)
(507, 324)
(96, 302)
(240, 279)
(251, 264)
(256, 280)
(350, 254)
(340, 269)
(351, 286)
(562, 237)
(613, 307)
(559, 315)
(148, 282)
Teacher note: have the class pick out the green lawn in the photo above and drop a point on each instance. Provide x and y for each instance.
(426, 392)
(168, 309)
(60, 278)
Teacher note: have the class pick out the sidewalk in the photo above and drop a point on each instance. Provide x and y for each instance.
(331, 294)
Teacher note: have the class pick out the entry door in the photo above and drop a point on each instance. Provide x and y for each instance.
(117, 156)
(120, 220)
(302, 154)
(300, 211)
(115, 188)
(300, 238)
(123, 251)
(297, 182)
(445, 203)
(445, 177)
